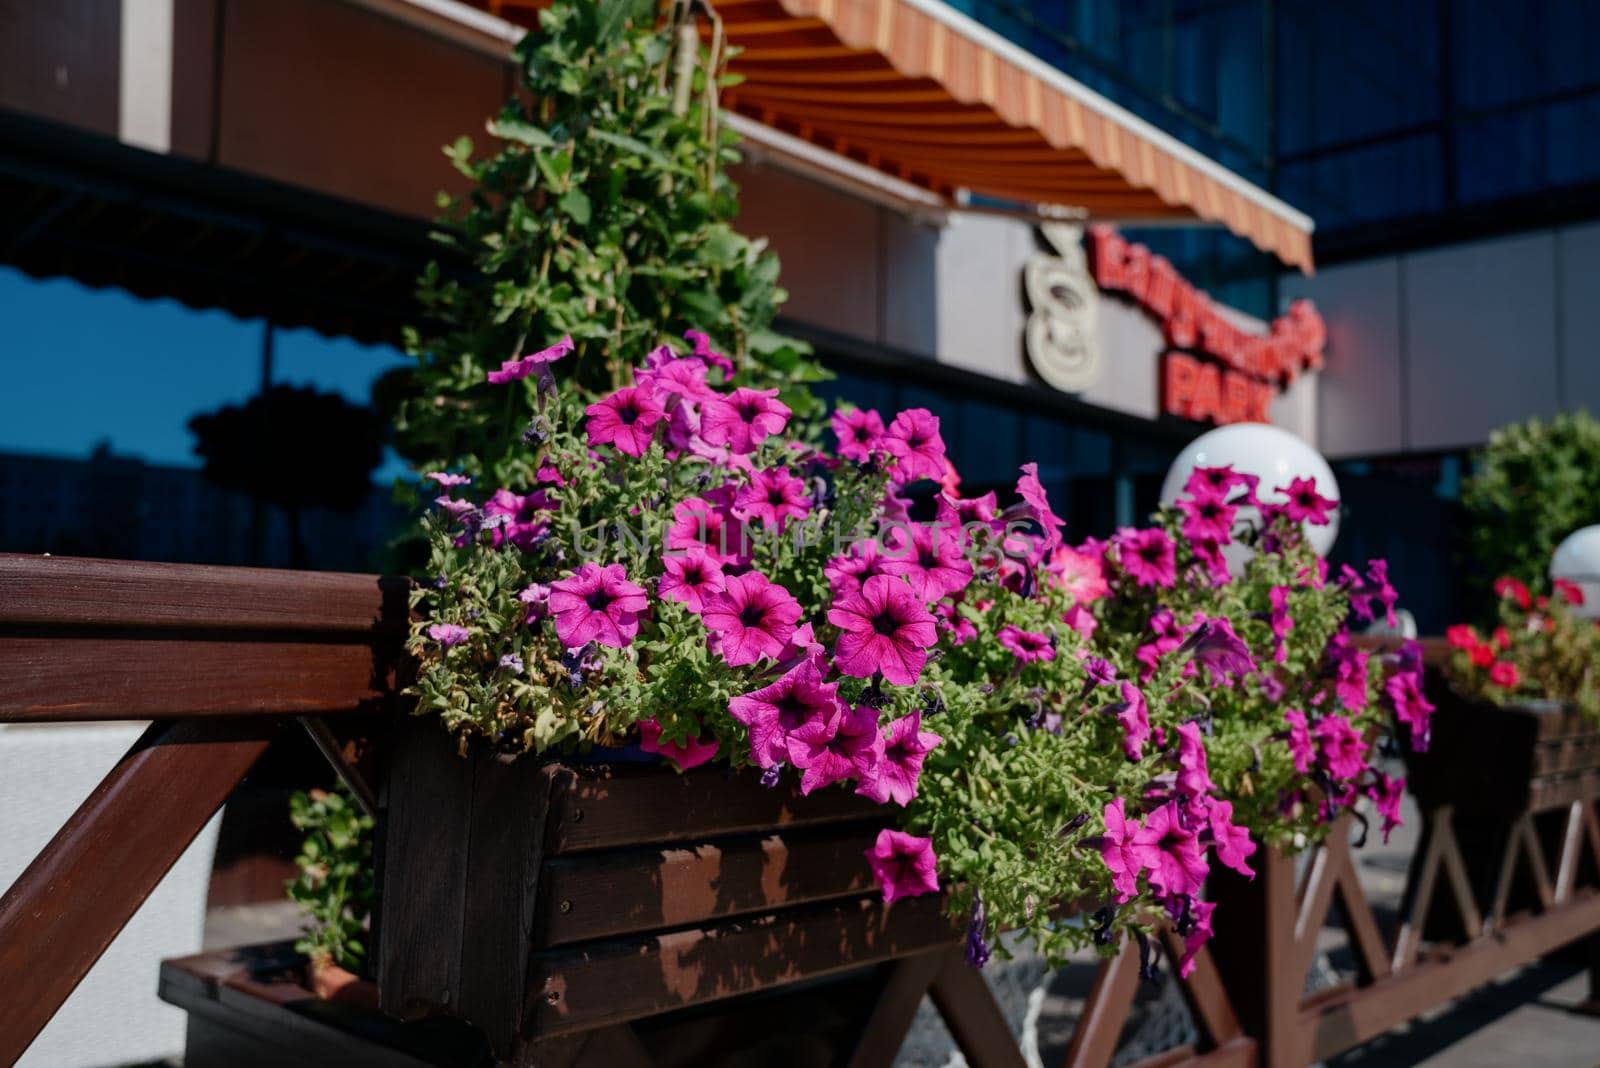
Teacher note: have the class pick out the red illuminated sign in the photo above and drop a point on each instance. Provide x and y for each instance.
(1218, 372)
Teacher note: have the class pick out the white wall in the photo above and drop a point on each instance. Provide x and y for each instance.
(1434, 349)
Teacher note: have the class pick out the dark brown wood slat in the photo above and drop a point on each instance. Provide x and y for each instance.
(895, 1010)
(1099, 1030)
(614, 982)
(974, 1018)
(626, 806)
(54, 590)
(65, 909)
(638, 891)
(56, 679)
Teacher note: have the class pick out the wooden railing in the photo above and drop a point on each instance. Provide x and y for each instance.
(220, 660)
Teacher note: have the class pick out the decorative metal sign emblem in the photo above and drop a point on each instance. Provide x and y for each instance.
(1062, 297)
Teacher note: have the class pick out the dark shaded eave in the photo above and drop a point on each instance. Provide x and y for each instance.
(78, 205)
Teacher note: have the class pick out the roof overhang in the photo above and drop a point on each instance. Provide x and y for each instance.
(925, 96)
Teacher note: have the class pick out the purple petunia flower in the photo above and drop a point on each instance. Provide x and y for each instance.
(743, 419)
(448, 634)
(1301, 747)
(1207, 518)
(1217, 481)
(929, 558)
(539, 361)
(1411, 706)
(1147, 556)
(1117, 849)
(884, 628)
(1194, 777)
(691, 577)
(837, 748)
(1342, 749)
(625, 419)
(860, 433)
(706, 523)
(525, 521)
(906, 745)
(1170, 852)
(1304, 503)
(512, 663)
(773, 496)
(1133, 715)
(904, 865)
(775, 711)
(752, 617)
(1231, 842)
(1098, 671)
(977, 925)
(446, 480)
(1216, 648)
(1026, 645)
(1386, 794)
(690, 754)
(596, 604)
(914, 442)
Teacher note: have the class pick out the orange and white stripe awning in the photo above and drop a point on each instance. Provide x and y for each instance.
(921, 92)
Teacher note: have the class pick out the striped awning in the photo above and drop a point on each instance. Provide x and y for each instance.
(923, 93)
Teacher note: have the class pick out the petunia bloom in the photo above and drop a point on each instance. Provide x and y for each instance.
(904, 865)
(1411, 706)
(860, 433)
(1026, 645)
(1032, 492)
(540, 361)
(1229, 841)
(1133, 715)
(1194, 777)
(1170, 852)
(783, 706)
(703, 349)
(527, 518)
(1117, 849)
(743, 419)
(1504, 673)
(690, 576)
(1301, 748)
(708, 525)
(1217, 481)
(1198, 934)
(1078, 573)
(753, 617)
(1207, 517)
(596, 604)
(834, 749)
(1386, 794)
(913, 440)
(847, 571)
(446, 480)
(1342, 749)
(884, 627)
(773, 496)
(690, 754)
(1081, 620)
(1304, 503)
(1147, 556)
(625, 419)
(1279, 621)
(929, 557)
(905, 746)
(448, 634)
(1221, 652)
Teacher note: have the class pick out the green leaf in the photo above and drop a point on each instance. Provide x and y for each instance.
(575, 203)
(521, 131)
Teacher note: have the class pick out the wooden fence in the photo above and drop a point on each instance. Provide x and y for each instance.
(221, 659)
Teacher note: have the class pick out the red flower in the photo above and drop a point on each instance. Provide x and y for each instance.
(1506, 586)
(1461, 636)
(1505, 674)
(1570, 591)
(1502, 637)
(1482, 654)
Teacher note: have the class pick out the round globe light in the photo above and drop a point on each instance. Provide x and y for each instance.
(1577, 559)
(1273, 455)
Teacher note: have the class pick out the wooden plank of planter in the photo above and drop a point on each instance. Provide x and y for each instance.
(65, 909)
(67, 591)
(614, 982)
(636, 891)
(625, 806)
(1559, 791)
(55, 679)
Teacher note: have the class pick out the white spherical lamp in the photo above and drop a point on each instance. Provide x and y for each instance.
(1273, 455)
(1577, 559)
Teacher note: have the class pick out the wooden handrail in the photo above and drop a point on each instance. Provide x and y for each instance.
(219, 657)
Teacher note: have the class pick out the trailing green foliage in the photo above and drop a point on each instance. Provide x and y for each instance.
(336, 883)
(603, 212)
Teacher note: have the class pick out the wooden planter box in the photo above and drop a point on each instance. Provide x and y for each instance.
(549, 903)
(1501, 769)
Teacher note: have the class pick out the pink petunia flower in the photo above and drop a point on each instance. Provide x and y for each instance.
(1411, 707)
(1216, 648)
(860, 433)
(1081, 620)
(743, 419)
(1170, 852)
(796, 698)
(674, 380)
(1301, 747)
(905, 746)
(1207, 517)
(1032, 492)
(834, 749)
(446, 480)
(1217, 481)
(929, 557)
(913, 440)
(1386, 794)
(847, 571)
(1343, 750)
(1350, 678)
(1122, 857)
(690, 577)
(904, 865)
(1305, 504)
(752, 616)
(1026, 645)
(1231, 842)
(1147, 556)
(448, 634)
(886, 628)
(1280, 622)
(536, 595)
(703, 349)
(1134, 717)
(596, 604)
(539, 361)
(688, 755)
(526, 517)
(773, 496)
(625, 419)
(1078, 573)
(959, 628)
(1194, 777)
(708, 525)
(1199, 934)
